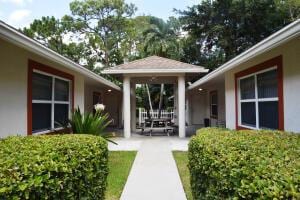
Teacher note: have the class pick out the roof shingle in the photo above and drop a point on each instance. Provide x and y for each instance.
(154, 63)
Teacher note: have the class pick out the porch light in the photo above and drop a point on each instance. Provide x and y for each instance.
(200, 89)
(109, 90)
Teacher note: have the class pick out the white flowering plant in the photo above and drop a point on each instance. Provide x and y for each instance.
(99, 107)
(90, 123)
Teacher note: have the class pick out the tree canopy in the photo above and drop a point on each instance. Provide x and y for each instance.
(221, 29)
(104, 33)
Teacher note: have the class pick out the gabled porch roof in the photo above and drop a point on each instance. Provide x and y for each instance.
(155, 64)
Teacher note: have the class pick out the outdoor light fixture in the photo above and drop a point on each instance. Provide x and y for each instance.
(200, 89)
(109, 90)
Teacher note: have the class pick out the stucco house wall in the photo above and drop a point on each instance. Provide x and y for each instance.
(13, 87)
(199, 104)
(291, 84)
(112, 100)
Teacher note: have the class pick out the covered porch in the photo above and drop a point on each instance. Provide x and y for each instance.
(155, 70)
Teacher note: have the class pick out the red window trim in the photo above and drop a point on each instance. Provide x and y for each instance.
(33, 65)
(276, 61)
(212, 93)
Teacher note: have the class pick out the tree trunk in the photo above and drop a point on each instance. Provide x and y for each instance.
(149, 100)
(160, 99)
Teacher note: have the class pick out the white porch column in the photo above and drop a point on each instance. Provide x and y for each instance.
(126, 106)
(181, 106)
(133, 107)
(176, 104)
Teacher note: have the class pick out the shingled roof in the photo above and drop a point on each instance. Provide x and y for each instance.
(155, 64)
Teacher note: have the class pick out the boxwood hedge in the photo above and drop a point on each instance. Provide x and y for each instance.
(53, 167)
(226, 164)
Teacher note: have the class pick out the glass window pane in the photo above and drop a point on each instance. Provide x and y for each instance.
(214, 99)
(247, 88)
(41, 117)
(41, 87)
(61, 114)
(248, 116)
(61, 90)
(268, 114)
(267, 84)
(214, 110)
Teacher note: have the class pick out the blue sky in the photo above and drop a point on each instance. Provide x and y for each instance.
(20, 13)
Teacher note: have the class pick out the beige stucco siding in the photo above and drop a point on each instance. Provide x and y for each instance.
(291, 83)
(112, 101)
(13, 87)
(199, 104)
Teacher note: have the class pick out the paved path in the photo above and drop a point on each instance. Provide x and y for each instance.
(154, 174)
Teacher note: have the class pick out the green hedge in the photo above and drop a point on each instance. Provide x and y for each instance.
(53, 167)
(228, 164)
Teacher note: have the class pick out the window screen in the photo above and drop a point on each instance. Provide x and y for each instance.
(61, 90)
(259, 100)
(247, 88)
(248, 115)
(267, 84)
(41, 87)
(268, 115)
(41, 117)
(50, 100)
(61, 114)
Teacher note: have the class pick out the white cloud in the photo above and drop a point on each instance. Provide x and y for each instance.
(17, 2)
(18, 15)
(19, 18)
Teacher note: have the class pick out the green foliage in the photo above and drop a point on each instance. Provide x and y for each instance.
(161, 38)
(220, 30)
(103, 23)
(244, 164)
(89, 123)
(119, 164)
(142, 96)
(181, 159)
(51, 32)
(103, 33)
(53, 167)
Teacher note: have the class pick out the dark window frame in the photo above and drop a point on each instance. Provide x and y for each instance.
(35, 67)
(269, 64)
(211, 94)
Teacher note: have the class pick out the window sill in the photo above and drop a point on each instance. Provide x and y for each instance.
(53, 131)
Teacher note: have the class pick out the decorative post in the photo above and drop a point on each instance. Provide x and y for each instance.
(126, 106)
(140, 117)
(181, 106)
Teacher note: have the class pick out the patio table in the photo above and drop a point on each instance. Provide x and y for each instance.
(155, 125)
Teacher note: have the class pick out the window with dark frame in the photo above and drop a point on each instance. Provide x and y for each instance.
(214, 104)
(258, 100)
(50, 101)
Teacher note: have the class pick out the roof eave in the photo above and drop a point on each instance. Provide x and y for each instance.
(31, 45)
(278, 38)
(145, 71)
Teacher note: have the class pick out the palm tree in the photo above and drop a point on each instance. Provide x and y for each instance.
(161, 40)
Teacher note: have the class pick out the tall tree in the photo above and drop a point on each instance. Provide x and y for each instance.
(103, 23)
(161, 38)
(221, 29)
(55, 34)
(52, 33)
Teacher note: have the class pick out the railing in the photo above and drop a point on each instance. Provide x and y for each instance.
(154, 114)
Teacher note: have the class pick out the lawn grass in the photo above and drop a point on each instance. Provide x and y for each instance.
(119, 163)
(181, 158)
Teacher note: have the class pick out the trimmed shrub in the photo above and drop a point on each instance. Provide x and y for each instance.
(53, 167)
(226, 164)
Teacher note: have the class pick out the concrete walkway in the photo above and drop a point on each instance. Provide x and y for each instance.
(154, 174)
